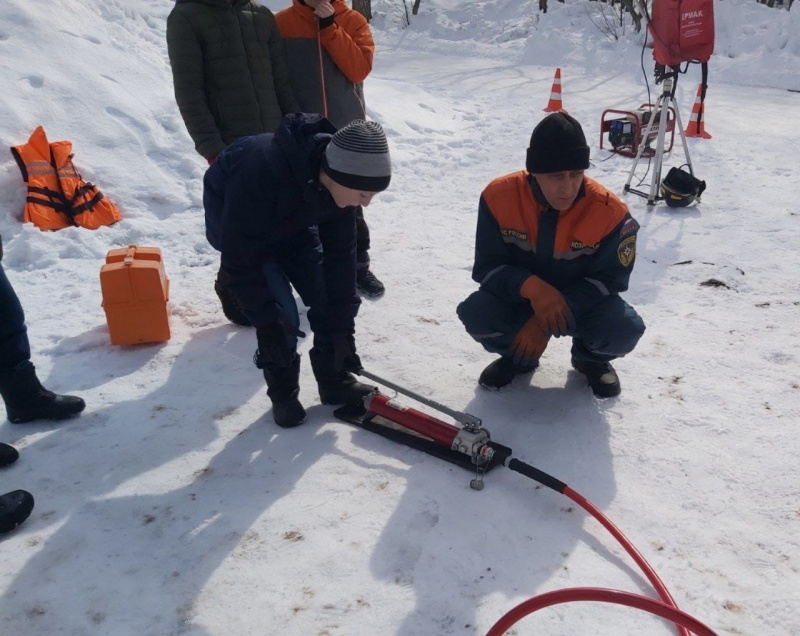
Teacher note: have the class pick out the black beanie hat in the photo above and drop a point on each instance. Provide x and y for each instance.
(557, 145)
(357, 157)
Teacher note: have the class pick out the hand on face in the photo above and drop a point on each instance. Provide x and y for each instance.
(322, 8)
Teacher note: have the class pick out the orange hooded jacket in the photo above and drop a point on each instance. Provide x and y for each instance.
(327, 66)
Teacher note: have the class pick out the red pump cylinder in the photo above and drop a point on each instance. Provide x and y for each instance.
(417, 421)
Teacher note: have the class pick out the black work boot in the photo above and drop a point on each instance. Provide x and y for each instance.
(8, 454)
(15, 507)
(501, 372)
(601, 377)
(368, 284)
(283, 387)
(27, 400)
(230, 303)
(336, 387)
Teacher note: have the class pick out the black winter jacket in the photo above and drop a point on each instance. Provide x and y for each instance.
(263, 203)
(229, 71)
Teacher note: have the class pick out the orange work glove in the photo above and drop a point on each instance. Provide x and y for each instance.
(530, 342)
(548, 305)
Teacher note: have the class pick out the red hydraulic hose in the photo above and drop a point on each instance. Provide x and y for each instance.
(598, 594)
(651, 575)
(445, 434)
(681, 619)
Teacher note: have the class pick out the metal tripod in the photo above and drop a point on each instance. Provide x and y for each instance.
(660, 114)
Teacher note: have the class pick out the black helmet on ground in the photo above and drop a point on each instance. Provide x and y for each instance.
(680, 188)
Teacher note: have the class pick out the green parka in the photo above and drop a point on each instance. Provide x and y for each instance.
(229, 71)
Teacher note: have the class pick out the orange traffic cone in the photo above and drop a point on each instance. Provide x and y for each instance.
(696, 127)
(554, 105)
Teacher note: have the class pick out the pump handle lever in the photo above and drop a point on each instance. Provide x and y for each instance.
(469, 421)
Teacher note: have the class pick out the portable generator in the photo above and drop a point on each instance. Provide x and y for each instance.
(625, 130)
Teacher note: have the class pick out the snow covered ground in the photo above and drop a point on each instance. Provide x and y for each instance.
(174, 505)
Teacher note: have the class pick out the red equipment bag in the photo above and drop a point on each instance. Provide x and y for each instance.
(682, 31)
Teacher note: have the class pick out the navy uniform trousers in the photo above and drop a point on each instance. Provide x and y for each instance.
(609, 330)
(15, 349)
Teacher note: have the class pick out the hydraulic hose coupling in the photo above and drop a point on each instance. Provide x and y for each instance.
(474, 442)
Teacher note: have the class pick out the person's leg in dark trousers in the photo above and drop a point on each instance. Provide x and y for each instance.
(610, 330)
(24, 396)
(368, 284)
(493, 323)
(304, 270)
(15, 348)
(283, 382)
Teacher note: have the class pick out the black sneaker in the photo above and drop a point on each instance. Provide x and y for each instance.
(601, 377)
(368, 284)
(8, 454)
(501, 372)
(15, 507)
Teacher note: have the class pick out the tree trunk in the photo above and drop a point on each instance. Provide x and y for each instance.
(364, 7)
(415, 8)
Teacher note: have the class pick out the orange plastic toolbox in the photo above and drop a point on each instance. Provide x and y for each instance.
(135, 294)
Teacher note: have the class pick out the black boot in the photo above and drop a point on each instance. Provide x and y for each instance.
(283, 387)
(8, 454)
(601, 377)
(27, 400)
(501, 372)
(15, 507)
(336, 387)
(368, 284)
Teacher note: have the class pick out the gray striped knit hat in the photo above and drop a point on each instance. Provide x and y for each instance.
(357, 157)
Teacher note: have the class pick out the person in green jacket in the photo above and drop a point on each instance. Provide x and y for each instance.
(231, 81)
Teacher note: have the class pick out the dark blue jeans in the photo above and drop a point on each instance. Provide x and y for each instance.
(301, 270)
(14, 346)
(609, 330)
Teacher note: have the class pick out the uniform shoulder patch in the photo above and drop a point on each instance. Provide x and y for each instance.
(626, 250)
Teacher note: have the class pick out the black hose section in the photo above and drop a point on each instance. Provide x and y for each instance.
(537, 475)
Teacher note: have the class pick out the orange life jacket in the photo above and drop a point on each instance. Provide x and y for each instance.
(58, 197)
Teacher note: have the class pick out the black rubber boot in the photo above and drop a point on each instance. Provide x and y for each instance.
(336, 387)
(15, 507)
(501, 372)
(283, 389)
(601, 377)
(8, 454)
(27, 400)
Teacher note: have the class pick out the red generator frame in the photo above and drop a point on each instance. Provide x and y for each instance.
(635, 120)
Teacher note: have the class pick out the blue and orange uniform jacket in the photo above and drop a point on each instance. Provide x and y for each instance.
(587, 251)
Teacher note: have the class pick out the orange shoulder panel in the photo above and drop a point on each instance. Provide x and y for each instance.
(594, 216)
(512, 203)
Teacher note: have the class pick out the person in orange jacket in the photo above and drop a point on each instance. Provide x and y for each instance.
(553, 251)
(329, 50)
